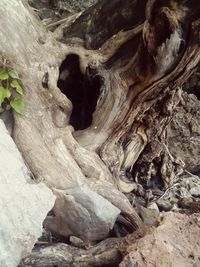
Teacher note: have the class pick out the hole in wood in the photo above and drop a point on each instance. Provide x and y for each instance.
(82, 90)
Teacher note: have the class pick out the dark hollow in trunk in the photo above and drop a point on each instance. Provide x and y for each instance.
(82, 90)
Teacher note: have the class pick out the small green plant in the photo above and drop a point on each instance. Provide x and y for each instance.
(11, 92)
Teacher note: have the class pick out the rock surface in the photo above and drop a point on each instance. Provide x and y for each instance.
(183, 133)
(74, 5)
(23, 204)
(150, 217)
(78, 5)
(184, 194)
(174, 243)
(86, 214)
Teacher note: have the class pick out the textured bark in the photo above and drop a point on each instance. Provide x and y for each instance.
(107, 253)
(142, 52)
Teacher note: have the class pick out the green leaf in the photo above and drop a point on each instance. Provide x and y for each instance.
(13, 74)
(18, 105)
(4, 93)
(4, 75)
(8, 107)
(17, 87)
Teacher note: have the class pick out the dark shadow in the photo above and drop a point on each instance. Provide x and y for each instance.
(82, 90)
(195, 90)
(192, 85)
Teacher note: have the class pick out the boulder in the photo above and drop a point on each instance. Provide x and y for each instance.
(23, 204)
(174, 243)
(82, 212)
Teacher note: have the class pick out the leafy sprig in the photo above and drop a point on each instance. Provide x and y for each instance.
(11, 91)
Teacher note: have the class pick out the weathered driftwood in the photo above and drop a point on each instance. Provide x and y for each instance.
(107, 253)
(141, 59)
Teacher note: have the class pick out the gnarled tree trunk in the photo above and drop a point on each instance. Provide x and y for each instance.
(126, 61)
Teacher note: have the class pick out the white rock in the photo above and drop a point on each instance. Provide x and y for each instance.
(23, 204)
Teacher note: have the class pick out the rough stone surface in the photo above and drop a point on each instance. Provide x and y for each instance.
(78, 5)
(149, 216)
(90, 200)
(86, 214)
(164, 205)
(195, 191)
(174, 243)
(185, 194)
(23, 204)
(183, 133)
(75, 5)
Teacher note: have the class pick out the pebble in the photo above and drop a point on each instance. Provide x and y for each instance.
(150, 217)
(195, 191)
(185, 202)
(164, 205)
(153, 206)
(77, 242)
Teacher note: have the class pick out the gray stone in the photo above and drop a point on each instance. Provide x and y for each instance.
(101, 214)
(164, 205)
(150, 217)
(23, 204)
(195, 191)
(185, 203)
(77, 242)
(183, 133)
(77, 5)
(70, 5)
(92, 201)
(82, 212)
(153, 206)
